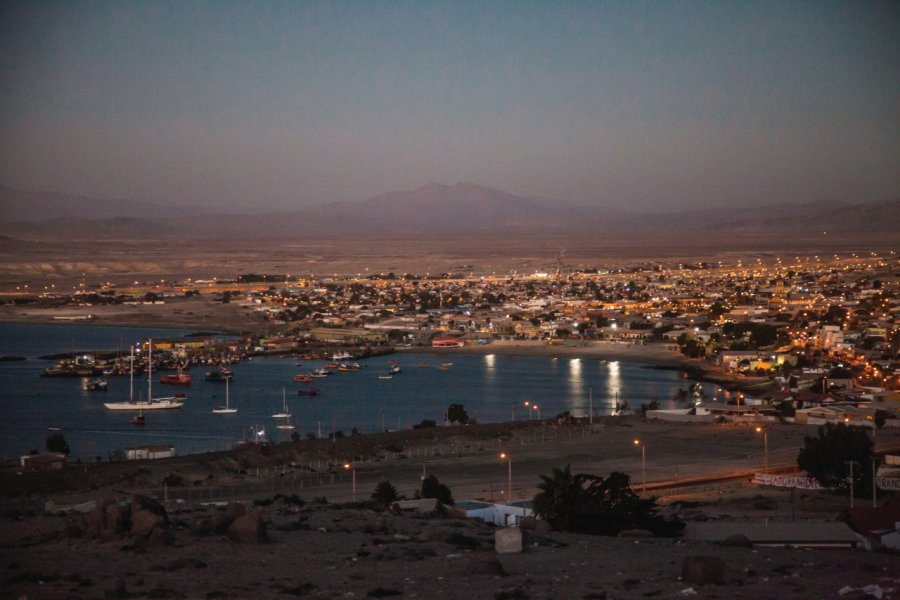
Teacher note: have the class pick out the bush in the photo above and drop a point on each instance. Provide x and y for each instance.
(385, 494)
(57, 443)
(432, 488)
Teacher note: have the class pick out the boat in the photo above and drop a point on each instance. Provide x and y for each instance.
(341, 356)
(423, 365)
(349, 368)
(138, 419)
(385, 377)
(225, 410)
(447, 364)
(319, 373)
(176, 379)
(395, 370)
(311, 391)
(170, 402)
(221, 374)
(303, 378)
(95, 385)
(333, 366)
(284, 414)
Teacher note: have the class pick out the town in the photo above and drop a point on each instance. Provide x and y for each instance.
(814, 338)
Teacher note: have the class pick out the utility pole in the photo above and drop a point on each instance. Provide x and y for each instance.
(851, 463)
(591, 396)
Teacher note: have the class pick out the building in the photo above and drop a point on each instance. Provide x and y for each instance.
(149, 452)
(40, 463)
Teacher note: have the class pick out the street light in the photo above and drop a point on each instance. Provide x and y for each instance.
(538, 409)
(765, 433)
(352, 470)
(508, 459)
(643, 465)
(527, 406)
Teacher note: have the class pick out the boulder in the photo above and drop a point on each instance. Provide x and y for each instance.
(701, 570)
(146, 503)
(93, 523)
(248, 529)
(143, 522)
(508, 540)
(116, 520)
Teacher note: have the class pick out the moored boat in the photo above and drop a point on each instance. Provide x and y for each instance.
(310, 391)
(170, 402)
(176, 379)
(95, 385)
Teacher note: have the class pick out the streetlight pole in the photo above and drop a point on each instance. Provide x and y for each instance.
(508, 458)
(765, 433)
(527, 405)
(643, 465)
(352, 469)
(874, 487)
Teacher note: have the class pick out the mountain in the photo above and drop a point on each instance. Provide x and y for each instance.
(18, 205)
(431, 211)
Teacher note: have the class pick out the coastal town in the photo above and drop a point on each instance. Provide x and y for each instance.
(816, 335)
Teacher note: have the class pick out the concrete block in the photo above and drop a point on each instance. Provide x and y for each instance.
(508, 540)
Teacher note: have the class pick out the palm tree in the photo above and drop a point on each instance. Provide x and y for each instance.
(557, 501)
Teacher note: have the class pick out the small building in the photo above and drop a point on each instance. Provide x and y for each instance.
(503, 514)
(40, 463)
(149, 452)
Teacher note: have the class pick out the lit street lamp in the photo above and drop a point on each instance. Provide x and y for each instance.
(508, 459)
(766, 447)
(527, 406)
(352, 470)
(538, 409)
(643, 465)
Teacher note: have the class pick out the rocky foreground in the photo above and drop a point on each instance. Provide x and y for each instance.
(284, 547)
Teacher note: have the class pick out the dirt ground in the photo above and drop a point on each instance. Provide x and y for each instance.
(337, 551)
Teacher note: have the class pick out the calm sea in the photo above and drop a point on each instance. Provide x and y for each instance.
(491, 388)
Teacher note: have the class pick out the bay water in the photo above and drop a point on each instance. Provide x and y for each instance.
(492, 388)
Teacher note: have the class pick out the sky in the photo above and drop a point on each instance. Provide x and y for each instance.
(661, 105)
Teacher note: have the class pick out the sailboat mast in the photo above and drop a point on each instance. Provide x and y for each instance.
(150, 370)
(227, 405)
(131, 377)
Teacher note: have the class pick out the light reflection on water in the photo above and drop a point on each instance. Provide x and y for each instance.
(491, 388)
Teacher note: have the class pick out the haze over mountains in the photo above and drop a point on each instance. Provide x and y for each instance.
(431, 211)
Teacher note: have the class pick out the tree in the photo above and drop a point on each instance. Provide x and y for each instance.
(432, 488)
(456, 413)
(825, 457)
(385, 494)
(590, 504)
(56, 442)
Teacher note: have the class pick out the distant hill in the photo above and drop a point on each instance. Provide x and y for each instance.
(431, 211)
(35, 207)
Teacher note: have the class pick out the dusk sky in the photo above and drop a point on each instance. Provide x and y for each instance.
(629, 105)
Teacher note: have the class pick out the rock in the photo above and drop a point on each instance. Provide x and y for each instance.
(635, 533)
(737, 540)
(143, 522)
(160, 536)
(116, 520)
(702, 570)
(235, 510)
(484, 563)
(508, 540)
(146, 503)
(93, 523)
(248, 529)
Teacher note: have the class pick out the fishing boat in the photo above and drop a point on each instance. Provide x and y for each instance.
(310, 391)
(225, 410)
(176, 379)
(139, 419)
(320, 373)
(221, 374)
(95, 385)
(284, 414)
(423, 365)
(395, 370)
(303, 378)
(176, 401)
(345, 368)
(385, 377)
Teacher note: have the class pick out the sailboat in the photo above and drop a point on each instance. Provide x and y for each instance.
(225, 410)
(176, 401)
(284, 414)
(286, 424)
